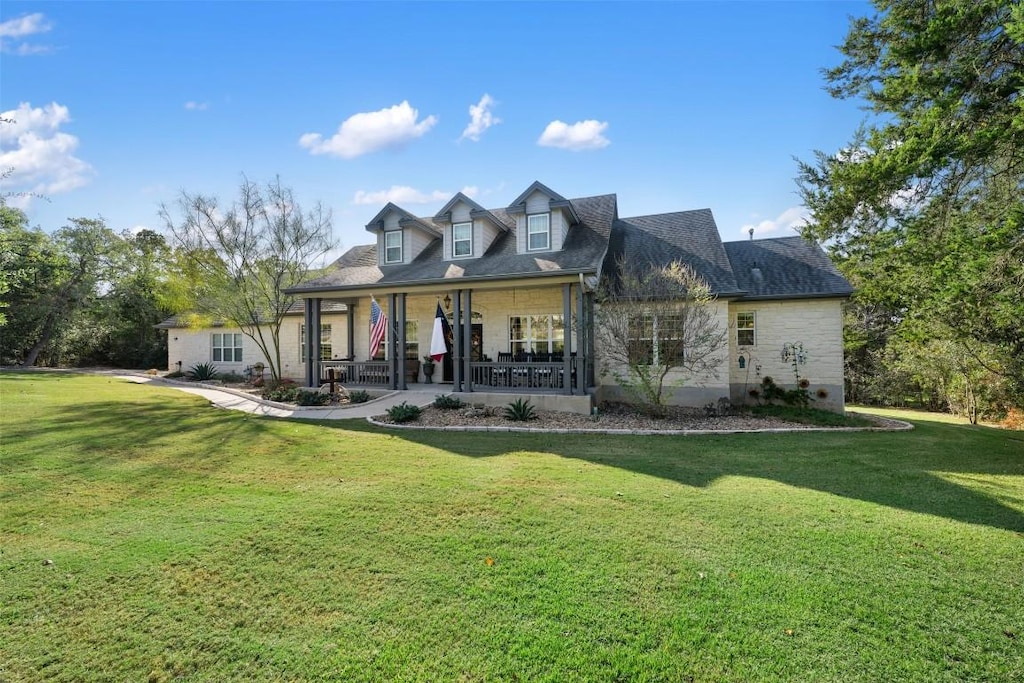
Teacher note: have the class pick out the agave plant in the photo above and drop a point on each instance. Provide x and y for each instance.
(520, 411)
(202, 372)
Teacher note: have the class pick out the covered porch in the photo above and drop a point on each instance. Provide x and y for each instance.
(516, 338)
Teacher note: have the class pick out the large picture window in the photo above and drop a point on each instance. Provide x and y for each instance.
(745, 328)
(326, 347)
(412, 343)
(393, 246)
(536, 334)
(656, 340)
(462, 240)
(227, 347)
(538, 232)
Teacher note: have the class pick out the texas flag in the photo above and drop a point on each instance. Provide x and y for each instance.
(439, 338)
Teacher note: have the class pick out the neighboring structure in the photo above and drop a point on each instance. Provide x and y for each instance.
(518, 285)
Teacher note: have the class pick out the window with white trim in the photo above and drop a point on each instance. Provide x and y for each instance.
(326, 348)
(226, 347)
(536, 334)
(462, 240)
(745, 328)
(538, 232)
(656, 340)
(412, 341)
(393, 246)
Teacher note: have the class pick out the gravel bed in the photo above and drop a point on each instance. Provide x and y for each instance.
(612, 418)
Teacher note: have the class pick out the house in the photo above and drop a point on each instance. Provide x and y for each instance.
(517, 285)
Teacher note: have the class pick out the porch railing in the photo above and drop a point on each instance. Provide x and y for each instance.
(369, 372)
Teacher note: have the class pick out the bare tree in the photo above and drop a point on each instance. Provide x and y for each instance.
(655, 321)
(245, 255)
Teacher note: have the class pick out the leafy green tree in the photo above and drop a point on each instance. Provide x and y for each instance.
(923, 208)
(237, 260)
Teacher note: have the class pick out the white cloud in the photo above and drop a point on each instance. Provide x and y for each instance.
(370, 131)
(196, 106)
(577, 137)
(403, 194)
(481, 118)
(13, 30)
(41, 156)
(793, 218)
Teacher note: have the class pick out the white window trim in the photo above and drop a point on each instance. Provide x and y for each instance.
(753, 329)
(529, 340)
(456, 241)
(546, 232)
(326, 342)
(235, 347)
(389, 247)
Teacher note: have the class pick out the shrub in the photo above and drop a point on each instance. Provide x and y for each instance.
(358, 396)
(404, 412)
(448, 402)
(306, 397)
(202, 372)
(282, 391)
(232, 377)
(520, 411)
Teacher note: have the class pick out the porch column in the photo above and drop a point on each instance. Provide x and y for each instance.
(313, 341)
(567, 338)
(582, 347)
(457, 342)
(307, 356)
(401, 342)
(591, 346)
(467, 342)
(350, 331)
(392, 340)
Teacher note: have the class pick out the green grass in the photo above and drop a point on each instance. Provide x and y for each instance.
(190, 543)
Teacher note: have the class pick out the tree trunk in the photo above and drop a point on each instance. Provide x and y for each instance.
(44, 338)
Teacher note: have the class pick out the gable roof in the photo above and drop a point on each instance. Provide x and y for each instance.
(179, 320)
(475, 211)
(583, 252)
(785, 268)
(377, 223)
(690, 237)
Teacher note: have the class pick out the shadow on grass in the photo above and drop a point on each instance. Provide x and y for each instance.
(905, 470)
(913, 471)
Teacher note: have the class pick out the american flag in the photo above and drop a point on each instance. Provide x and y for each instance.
(378, 326)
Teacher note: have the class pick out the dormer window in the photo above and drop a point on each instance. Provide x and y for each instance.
(393, 246)
(462, 240)
(538, 232)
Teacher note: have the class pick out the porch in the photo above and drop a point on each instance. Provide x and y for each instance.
(529, 338)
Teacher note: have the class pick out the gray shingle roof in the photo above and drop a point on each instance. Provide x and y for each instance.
(583, 251)
(785, 268)
(690, 237)
(297, 308)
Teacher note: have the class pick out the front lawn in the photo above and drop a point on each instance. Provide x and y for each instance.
(147, 536)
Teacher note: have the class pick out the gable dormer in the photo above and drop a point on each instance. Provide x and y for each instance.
(543, 218)
(401, 236)
(468, 228)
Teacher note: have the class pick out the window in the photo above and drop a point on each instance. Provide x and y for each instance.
(656, 340)
(536, 334)
(538, 232)
(412, 341)
(227, 348)
(326, 350)
(393, 246)
(462, 239)
(745, 329)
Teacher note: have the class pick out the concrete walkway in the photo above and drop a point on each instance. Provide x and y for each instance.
(230, 399)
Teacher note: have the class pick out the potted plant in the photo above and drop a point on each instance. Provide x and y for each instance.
(428, 370)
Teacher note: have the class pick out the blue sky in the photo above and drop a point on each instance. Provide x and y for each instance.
(671, 106)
